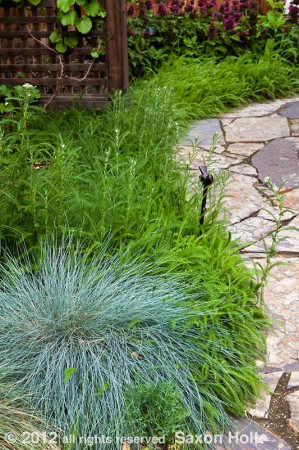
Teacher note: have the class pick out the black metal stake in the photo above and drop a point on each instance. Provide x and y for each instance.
(206, 179)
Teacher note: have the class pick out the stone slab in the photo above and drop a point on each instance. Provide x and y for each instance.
(259, 109)
(291, 200)
(278, 160)
(245, 149)
(262, 406)
(290, 111)
(294, 126)
(244, 169)
(272, 213)
(282, 298)
(218, 149)
(242, 198)
(251, 129)
(215, 162)
(288, 240)
(249, 435)
(251, 229)
(202, 132)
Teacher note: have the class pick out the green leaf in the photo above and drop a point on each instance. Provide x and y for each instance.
(94, 53)
(61, 47)
(55, 37)
(35, 2)
(103, 388)
(92, 8)
(65, 5)
(71, 39)
(69, 18)
(84, 25)
(67, 374)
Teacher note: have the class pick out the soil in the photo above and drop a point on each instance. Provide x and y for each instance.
(279, 419)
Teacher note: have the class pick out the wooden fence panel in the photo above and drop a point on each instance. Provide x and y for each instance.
(27, 56)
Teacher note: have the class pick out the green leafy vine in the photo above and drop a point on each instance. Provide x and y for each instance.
(76, 18)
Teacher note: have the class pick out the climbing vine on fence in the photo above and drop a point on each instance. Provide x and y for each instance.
(76, 18)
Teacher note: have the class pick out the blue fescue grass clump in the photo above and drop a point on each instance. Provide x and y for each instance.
(77, 336)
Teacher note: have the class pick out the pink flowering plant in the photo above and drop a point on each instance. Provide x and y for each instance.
(157, 28)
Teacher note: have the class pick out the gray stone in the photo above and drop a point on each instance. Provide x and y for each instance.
(291, 200)
(294, 380)
(288, 240)
(294, 126)
(281, 297)
(252, 130)
(272, 213)
(290, 111)
(261, 408)
(225, 122)
(215, 162)
(245, 149)
(251, 229)
(259, 109)
(293, 401)
(249, 435)
(244, 169)
(218, 149)
(202, 132)
(242, 198)
(278, 160)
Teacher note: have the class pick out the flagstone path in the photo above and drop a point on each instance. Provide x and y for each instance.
(255, 142)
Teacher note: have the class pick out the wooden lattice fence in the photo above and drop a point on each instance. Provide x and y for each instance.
(27, 56)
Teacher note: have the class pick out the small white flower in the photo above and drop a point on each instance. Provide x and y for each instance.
(267, 180)
(6, 103)
(28, 86)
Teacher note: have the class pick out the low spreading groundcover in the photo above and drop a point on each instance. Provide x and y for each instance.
(141, 309)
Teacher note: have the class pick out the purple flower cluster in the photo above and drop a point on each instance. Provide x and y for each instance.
(294, 11)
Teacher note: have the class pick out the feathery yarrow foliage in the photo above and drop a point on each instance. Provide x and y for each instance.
(80, 337)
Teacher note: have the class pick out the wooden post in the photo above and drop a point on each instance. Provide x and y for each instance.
(117, 45)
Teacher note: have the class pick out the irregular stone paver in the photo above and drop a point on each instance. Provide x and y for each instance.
(248, 435)
(216, 161)
(218, 149)
(272, 212)
(244, 149)
(242, 198)
(252, 229)
(251, 130)
(290, 111)
(261, 408)
(258, 109)
(246, 134)
(288, 236)
(294, 127)
(279, 160)
(282, 299)
(244, 169)
(291, 199)
(203, 131)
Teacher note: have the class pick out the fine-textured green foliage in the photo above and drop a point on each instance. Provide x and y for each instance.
(154, 410)
(205, 88)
